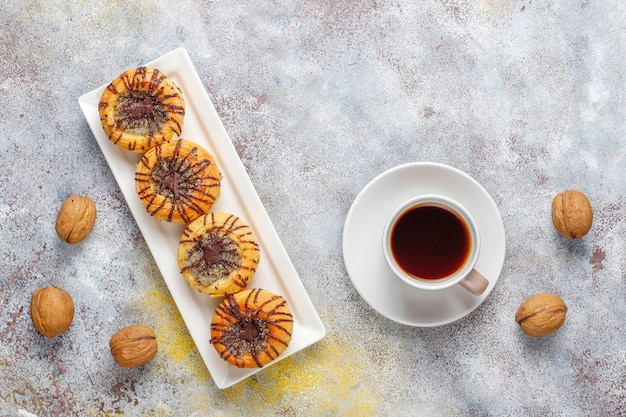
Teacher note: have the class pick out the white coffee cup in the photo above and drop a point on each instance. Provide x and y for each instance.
(432, 242)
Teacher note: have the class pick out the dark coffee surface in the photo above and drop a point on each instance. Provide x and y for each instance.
(430, 242)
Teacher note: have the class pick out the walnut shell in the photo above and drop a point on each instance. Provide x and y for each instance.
(541, 314)
(572, 215)
(133, 346)
(52, 311)
(75, 219)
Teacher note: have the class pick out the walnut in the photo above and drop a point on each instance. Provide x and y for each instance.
(541, 314)
(572, 214)
(75, 219)
(52, 311)
(133, 346)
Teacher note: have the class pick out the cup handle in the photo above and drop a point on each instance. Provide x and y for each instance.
(475, 282)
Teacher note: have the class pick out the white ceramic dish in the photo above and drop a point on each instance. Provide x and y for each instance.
(238, 196)
(363, 254)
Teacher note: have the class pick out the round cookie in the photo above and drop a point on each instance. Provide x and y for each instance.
(251, 328)
(218, 254)
(178, 181)
(141, 108)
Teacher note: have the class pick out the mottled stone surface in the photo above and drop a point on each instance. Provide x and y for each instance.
(319, 97)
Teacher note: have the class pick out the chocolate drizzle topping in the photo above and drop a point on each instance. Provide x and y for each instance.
(144, 105)
(251, 328)
(214, 255)
(141, 108)
(172, 183)
(182, 178)
(249, 331)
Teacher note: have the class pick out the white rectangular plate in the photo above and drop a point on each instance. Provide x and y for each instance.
(238, 196)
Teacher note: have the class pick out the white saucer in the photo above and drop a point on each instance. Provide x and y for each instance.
(362, 244)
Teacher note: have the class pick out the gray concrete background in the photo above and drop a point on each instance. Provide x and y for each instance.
(319, 97)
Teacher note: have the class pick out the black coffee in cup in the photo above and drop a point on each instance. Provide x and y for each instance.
(430, 241)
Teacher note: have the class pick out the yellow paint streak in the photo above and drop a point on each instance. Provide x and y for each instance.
(324, 378)
(332, 377)
(173, 338)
